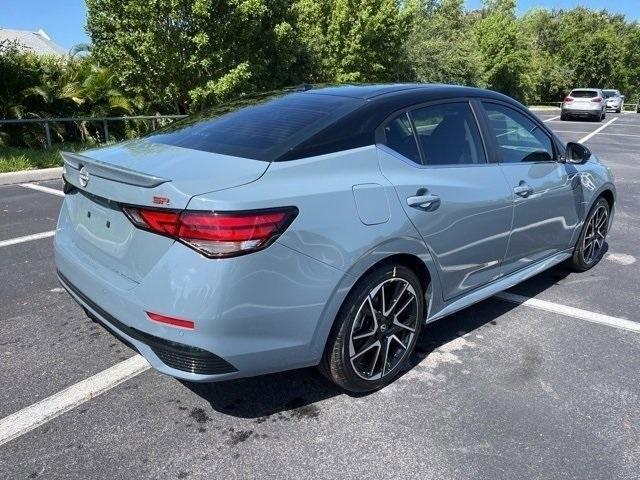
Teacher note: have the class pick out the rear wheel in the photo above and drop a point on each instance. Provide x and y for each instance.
(563, 117)
(376, 330)
(591, 242)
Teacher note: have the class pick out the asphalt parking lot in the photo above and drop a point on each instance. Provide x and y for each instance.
(544, 389)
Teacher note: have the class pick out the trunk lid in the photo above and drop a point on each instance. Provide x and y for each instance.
(135, 172)
(145, 174)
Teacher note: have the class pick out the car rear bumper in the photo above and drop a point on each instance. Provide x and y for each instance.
(581, 112)
(178, 356)
(254, 314)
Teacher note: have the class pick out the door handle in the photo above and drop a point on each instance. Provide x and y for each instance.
(523, 190)
(424, 201)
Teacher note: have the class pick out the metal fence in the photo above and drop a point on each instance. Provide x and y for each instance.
(46, 122)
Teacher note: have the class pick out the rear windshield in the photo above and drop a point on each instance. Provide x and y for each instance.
(260, 127)
(584, 93)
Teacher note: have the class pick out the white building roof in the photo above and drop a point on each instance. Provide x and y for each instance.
(36, 42)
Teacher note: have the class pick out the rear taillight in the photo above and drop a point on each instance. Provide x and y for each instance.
(596, 100)
(568, 99)
(216, 234)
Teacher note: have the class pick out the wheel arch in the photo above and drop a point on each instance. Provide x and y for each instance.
(410, 252)
(608, 195)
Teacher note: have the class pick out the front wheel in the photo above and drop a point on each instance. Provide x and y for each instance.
(591, 242)
(376, 330)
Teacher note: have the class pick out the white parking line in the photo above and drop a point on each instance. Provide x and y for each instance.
(551, 119)
(598, 130)
(33, 416)
(605, 134)
(586, 315)
(27, 238)
(620, 134)
(39, 413)
(625, 124)
(40, 188)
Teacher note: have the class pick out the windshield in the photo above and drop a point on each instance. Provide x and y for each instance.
(610, 93)
(260, 127)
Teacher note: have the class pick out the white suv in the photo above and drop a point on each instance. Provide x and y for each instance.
(584, 103)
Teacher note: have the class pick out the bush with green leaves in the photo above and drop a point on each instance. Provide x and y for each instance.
(36, 86)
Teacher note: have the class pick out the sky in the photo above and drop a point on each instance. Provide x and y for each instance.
(64, 20)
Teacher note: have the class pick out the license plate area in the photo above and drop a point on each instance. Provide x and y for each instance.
(102, 224)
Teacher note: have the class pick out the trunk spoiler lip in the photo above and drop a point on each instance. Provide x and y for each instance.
(111, 172)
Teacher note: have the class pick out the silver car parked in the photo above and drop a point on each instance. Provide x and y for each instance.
(584, 103)
(614, 100)
(322, 226)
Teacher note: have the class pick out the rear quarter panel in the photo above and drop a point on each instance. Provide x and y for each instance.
(329, 227)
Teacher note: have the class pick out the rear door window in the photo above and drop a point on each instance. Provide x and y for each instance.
(400, 137)
(448, 134)
(519, 138)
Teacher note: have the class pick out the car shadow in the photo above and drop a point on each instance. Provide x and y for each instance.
(552, 277)
(299, 393)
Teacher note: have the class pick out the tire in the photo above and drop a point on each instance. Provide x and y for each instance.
(563, 117)
(619, 110)
(357, 353)
(585, 257)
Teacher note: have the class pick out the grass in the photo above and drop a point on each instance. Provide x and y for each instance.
(14, 159)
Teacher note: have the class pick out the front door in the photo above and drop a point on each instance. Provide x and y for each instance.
(545, 193)
(460, 203)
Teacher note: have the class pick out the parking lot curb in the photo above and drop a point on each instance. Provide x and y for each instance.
(31, 176)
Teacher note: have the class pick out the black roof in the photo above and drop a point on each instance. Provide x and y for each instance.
(306, 121)
(357, 128)
(383, 91)
(364, 91)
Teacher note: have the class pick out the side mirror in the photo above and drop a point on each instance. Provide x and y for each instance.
(622, 97)
(576, 153)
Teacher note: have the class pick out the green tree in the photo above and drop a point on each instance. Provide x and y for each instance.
(193, 52)
(551, 78)
(596, 59)
(440, 47)
(352, 40)
(631, 60)
(505, 55)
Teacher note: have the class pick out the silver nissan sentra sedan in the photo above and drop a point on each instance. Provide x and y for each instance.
(322, 226)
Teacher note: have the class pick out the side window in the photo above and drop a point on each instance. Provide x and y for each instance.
(519, 139)
(448, 134)
(399, 136)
